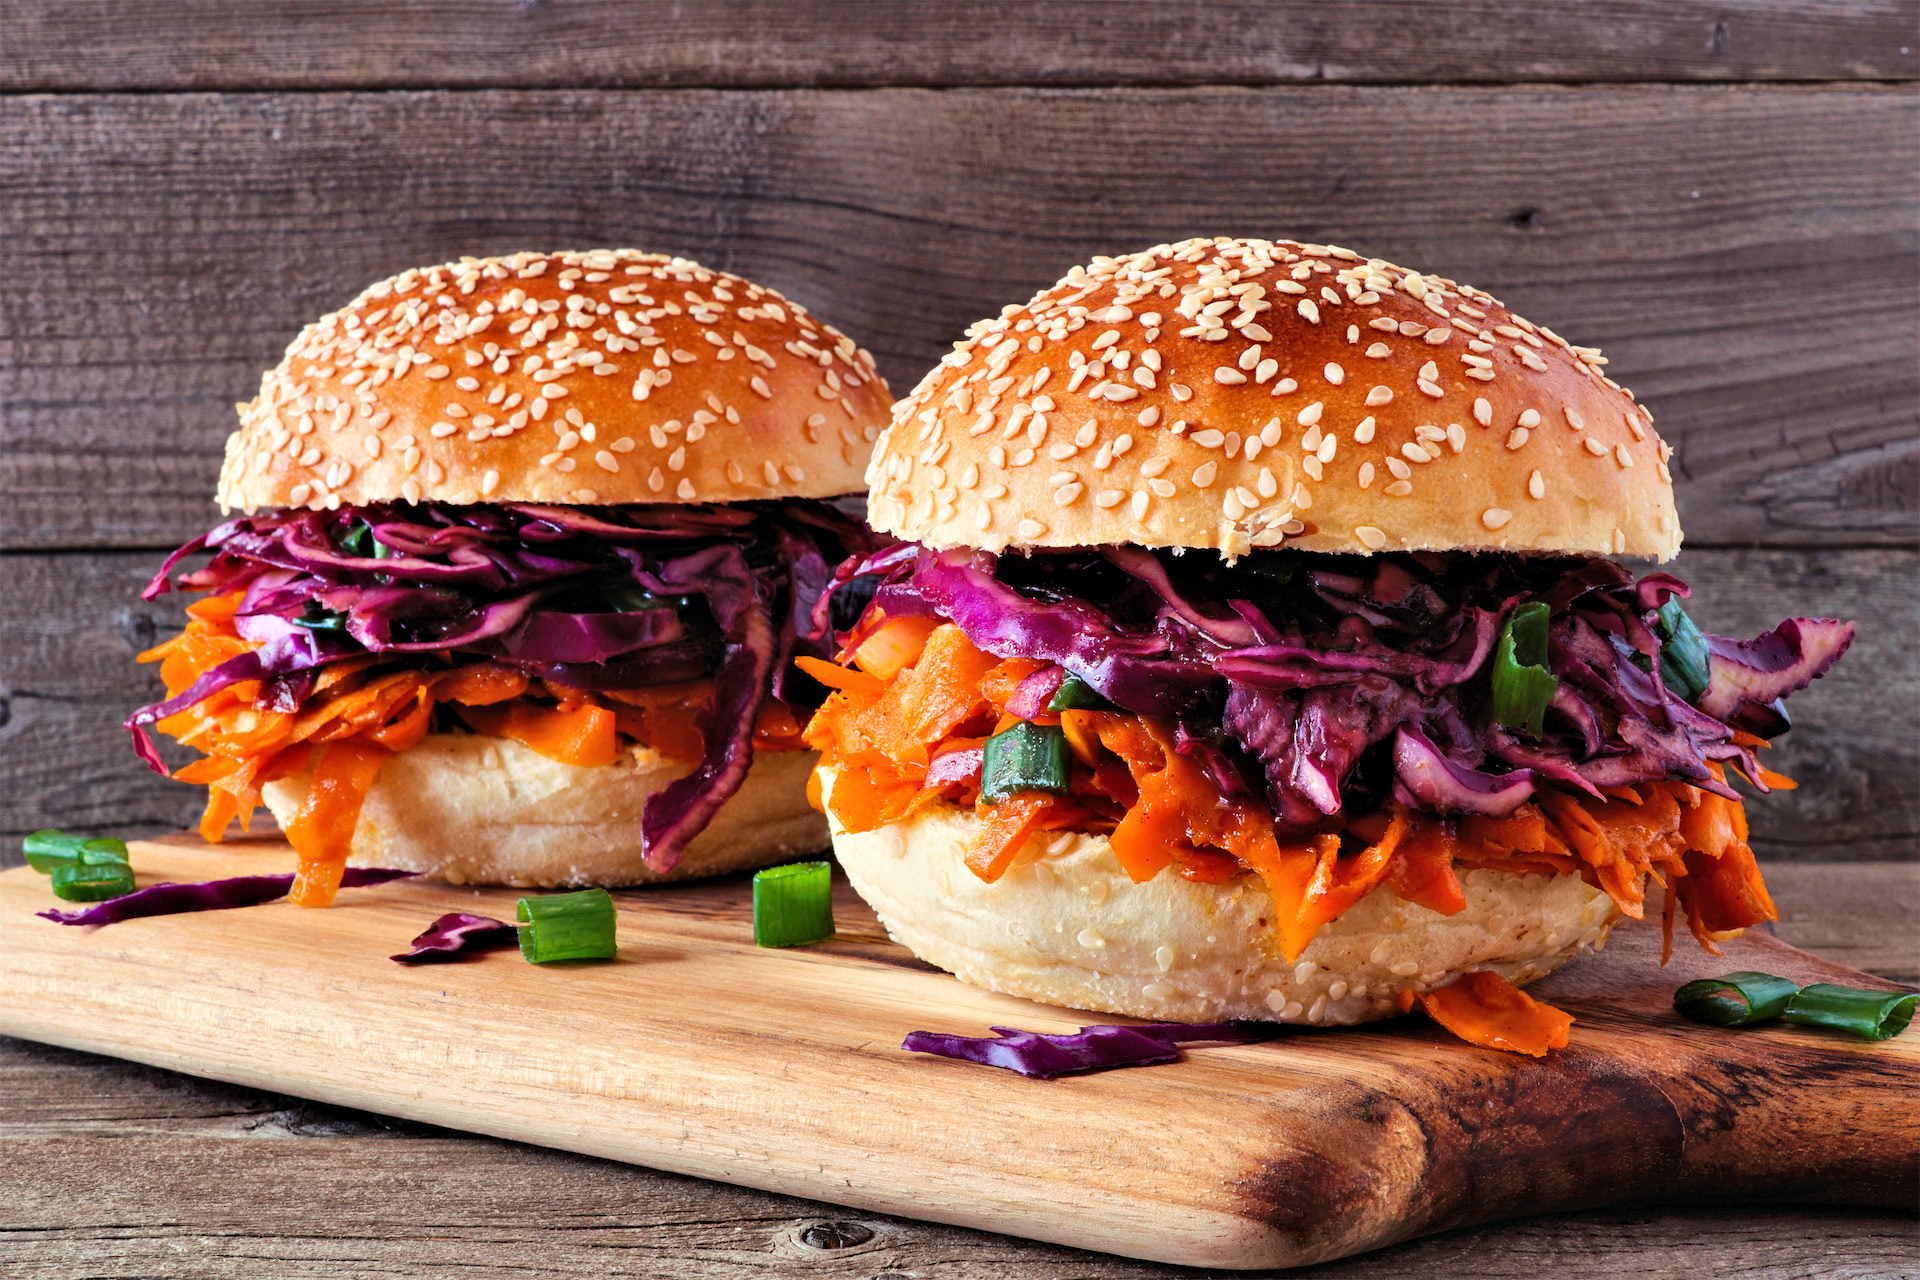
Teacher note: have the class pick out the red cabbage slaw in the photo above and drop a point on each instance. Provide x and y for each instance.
(1336, 682)
(616, 597)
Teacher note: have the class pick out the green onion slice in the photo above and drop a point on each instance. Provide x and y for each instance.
(77, 882)
(567, 926)
(1025, 757)
(315, 618)
(1075, 694)
(358, 540)
(1735, 999)
(103, 851)
(49, 849)
(1522, 685)
(1683, 651)
(793, 904)
(1873, 1015)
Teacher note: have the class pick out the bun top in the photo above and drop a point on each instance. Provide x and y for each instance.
(1251, 393)
(583, 378)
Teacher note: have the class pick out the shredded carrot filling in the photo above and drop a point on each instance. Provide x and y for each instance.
(1160, 810)
(357, 715)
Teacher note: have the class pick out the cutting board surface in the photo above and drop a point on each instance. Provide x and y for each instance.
(697, 1052)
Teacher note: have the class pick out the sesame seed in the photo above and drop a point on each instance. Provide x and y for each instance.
(1231, 377)
(1415, 453)
(685, 490)
(1483, 412)
(1366, 474)
(1267, 484)
(1621, 455)
(1379, 396)
(1619, 542)
(1203, 475)
(1308, 311)
(1517, 437)
(1370, 538)
(1311, 414)
(1335, 374)
(1495, 518)
(1594, 447)
(1162, 488)
(1574, 419)
(1536, 486)
(1109, 498)
(1400, 470)
(1456, 436)
(1399, 489)
(1156, 466)
(1363, 431)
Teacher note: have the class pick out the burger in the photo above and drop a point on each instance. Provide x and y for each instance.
(526, 547)
(1260, 649)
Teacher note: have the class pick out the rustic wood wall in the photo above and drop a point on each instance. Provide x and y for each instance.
(1722, 196)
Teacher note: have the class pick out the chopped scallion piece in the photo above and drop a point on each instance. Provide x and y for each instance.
(103, 851)
(1025, 757)
(358, 540)
(78, 882)
(315, 618)
(1075, 694)
(1522, 685)
(1683, 651)
(793, 904)
(1735, 999)
(49, 849)
(630, 597)
(1873, 1015)
(567, 926)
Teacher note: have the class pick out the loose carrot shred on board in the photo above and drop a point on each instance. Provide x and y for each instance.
(1485, 1009)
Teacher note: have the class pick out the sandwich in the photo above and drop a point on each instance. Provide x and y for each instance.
(525, 549)
(1260, 648)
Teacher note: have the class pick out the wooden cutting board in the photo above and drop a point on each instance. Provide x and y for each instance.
(697, 1052)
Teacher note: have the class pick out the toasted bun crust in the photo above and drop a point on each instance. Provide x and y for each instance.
(1242, 393)
(1066, 925)
(477, 810)
(582, 378)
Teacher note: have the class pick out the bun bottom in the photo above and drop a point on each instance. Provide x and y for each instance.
(470, 809)
(1067, 926)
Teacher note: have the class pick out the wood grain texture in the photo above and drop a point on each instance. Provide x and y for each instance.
(1745, 255)
(213, 1180)
(697, 1052)
(74, 622)
(748, 43)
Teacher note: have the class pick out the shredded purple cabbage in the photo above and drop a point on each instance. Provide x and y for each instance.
(1042, 1056)
(1338, 682)
(458, 934)
(602, 599)
(208, 895)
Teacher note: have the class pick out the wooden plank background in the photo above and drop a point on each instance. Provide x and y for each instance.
(1723, 195)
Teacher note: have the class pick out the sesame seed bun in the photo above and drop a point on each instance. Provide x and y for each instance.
(471, 809)
(607, 376)
(1248, 393)
(1066, 925)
